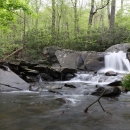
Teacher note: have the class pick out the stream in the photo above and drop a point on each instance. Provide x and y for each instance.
(44, 110)
(64, 109)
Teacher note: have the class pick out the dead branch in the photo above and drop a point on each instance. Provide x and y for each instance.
(98, 100)
(101, 7)
(12, 54)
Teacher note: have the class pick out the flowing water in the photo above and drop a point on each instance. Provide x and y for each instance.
(64, 110)
(116, 62)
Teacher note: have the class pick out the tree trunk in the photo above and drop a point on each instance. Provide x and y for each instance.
(112, 21)
(24, 31)
(53, 21)
(91, 15)
(112, 17)
(75, 19)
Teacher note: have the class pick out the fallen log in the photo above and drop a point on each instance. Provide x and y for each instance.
(16, 51)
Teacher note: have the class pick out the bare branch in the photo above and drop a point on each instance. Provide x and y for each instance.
(98, 100)
(101, 7)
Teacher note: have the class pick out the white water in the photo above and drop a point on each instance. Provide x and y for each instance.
(116, 62)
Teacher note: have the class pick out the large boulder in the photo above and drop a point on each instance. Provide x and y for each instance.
(67, 58)
(9, 81)
(91, 61)
(119, 47)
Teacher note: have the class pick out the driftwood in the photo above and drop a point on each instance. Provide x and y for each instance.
(16, 51)
(98, 100)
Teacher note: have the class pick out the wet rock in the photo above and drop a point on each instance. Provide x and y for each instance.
(110, 91)
(67, 73)
(69, 85)
(111, 73)
(69, 76)
(68, 70)
(33, 88)
(46, 77)
(5, 68)
(61, 100)
(94, 65)
(115, 83)
(10, 81)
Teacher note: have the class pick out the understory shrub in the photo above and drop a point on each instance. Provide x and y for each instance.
(126, 82)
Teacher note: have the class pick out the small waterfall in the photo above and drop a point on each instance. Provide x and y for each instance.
(117, 62)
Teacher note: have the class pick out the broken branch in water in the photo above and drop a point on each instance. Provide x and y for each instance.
(98, 100)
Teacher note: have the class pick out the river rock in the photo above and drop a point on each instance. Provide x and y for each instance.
(61, 100)
(111, 73)
(110, 91)
(94, 65)
(115, 83)
(10, 81)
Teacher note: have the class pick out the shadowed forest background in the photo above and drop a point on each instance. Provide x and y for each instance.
(92, 25)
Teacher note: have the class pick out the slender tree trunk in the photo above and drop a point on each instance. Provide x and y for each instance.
(53, 21)
(91, 14)
(75, 19)
(112, 18)
(122, 8)
(108, 13)
(112, 21)
(24, 31)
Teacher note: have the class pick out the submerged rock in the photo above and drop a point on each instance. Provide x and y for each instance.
(110, 91)
(61, 100)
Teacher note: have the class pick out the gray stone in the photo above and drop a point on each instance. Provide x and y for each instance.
(10, 81)
(94, 65)
(67, 58)
(119, 47)
(111, 73)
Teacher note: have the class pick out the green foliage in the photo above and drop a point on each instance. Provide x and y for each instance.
(126, 82)
(98, 38)
(10, 8)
